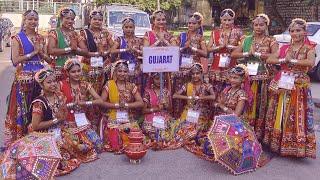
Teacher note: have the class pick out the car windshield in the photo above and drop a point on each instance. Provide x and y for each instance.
(116, 17)
(311, 29)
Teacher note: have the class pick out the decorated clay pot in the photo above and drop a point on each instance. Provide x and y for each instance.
(135, 150)
(135, 136)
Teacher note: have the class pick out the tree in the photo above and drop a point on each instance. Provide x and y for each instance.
(147, 5)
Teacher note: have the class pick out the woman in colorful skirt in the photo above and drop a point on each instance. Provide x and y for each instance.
(157, 119)
(122, 99)
(48, 115)
(63, 42)
(193, 49)
(255, 50)
(98, 42)
(81, 97)
(129, 48)
(234, 98)
(159, 37)
(27, 56)
(289, 120)
(195, 120)
(222, 41)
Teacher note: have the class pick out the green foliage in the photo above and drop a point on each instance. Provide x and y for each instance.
(312, 2)
(147, 5)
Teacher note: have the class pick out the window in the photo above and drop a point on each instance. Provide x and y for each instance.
(116, 17)
(312, 29)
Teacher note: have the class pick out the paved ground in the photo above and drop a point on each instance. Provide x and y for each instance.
(177, 164)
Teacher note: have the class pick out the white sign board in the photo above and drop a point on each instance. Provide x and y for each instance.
(161, 59)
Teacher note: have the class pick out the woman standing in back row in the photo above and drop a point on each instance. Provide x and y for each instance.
(255, 50)
(289, 120)
(63, 42)
(27, 55)
(222, 41)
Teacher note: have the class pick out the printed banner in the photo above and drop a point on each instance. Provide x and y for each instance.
(161, 59)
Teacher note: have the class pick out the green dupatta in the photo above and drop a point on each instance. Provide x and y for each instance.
(247, 43)
(61, 45)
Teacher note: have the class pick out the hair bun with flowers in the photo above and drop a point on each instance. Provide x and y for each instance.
(42, 75)
(70, 63)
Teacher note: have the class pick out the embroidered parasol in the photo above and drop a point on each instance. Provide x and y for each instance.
(234, 144)
(34, 156)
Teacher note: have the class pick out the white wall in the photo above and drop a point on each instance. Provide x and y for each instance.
(16, 19)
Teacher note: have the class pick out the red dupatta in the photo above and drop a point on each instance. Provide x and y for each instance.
(66, 90)
(283, 53)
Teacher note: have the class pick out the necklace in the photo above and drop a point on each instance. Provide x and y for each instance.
(226, 37)
(256, 44)
(66, 37)
(32, 39)
(296, 52)
(55, 104)
(97, 36)
(122, 88)
(229, 95)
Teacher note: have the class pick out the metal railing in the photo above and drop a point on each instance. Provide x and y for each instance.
(49, 7)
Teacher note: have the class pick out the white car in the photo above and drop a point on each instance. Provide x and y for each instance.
(313, 29)
(115, 13)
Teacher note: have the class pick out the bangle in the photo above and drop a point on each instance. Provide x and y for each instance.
(225, 109)
(29, 55)
(122, 50)
(68, 49)
(106, 52)
(293, 61)
(96, 53)
(257, 54)
(69, 105)
(216, 47)
(194, 49)
(189, 97)
(89, 103)
(55, 121)
(197, 97)
(116, 105)
(282, 60)
(245, 54)
(151, 109)
(126, 105)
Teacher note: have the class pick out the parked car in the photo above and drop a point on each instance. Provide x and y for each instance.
(115, 13)
(313, 30)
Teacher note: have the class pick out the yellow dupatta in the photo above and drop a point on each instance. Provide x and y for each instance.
(254, 88)
(189, 93)
(113, 97)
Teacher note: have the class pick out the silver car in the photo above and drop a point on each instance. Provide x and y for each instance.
(313, 30)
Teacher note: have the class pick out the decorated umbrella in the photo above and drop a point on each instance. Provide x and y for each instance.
(34, 156)
(234, 144)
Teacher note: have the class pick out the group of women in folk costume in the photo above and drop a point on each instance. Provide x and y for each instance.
(92, 105)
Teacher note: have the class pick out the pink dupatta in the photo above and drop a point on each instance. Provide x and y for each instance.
(154, 102)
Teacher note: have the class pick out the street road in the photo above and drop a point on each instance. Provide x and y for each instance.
(177, 164)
